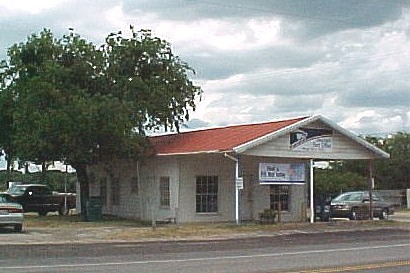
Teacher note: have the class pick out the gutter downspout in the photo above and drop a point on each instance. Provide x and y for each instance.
(236, 186)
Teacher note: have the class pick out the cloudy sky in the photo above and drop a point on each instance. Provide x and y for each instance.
(259, 60)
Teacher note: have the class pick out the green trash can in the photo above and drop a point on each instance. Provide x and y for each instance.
(93, 209)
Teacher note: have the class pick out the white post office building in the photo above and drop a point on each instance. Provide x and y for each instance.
(229, 173)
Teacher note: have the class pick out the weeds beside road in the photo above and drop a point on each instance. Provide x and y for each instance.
(58, 229)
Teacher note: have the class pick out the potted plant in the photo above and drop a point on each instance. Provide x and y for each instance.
(268, 216)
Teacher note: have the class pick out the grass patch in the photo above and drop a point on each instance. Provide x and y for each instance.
(110, 228)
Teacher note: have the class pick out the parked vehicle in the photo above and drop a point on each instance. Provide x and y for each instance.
(355, 206)
(11, 213)
(39, 198)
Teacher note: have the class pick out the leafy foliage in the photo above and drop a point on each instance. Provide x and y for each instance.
(393, 173)
(6, 127)
(54, 179)
(332, 181)
(81, 104)
(268, 214)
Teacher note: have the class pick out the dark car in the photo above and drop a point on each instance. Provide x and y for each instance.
(356, 205)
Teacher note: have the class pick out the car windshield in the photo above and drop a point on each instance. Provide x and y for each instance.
(5, 198)
(352, 196)
(17, 190)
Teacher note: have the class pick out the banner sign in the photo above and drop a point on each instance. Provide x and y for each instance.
(311, 139)
(273, 173)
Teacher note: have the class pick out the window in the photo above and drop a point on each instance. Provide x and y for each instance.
(279, 195)
(134, 184)
(115, 191)
(91, 178)
(164, 191)
(206, 194)
(135, 187)
(103, 190)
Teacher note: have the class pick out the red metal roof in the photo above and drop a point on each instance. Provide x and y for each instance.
(222, 139)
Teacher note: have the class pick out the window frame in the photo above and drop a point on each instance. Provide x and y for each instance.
(135, 181)
(103, 190)
(165, 191)
(207, 194)
(115, 192)
(279, 194)
(135, 187)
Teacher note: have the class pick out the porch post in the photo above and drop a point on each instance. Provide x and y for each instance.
(312, 207)
(237, 193)
(371, 187)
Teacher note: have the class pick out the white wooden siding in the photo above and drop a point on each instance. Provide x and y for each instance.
(182, 171)
(129, 202)
(151, 171)
(207, 165)
(342, 148)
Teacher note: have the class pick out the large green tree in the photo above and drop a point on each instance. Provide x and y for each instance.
(395, 172)
(337, 178)
(84, 104)
(6, 128)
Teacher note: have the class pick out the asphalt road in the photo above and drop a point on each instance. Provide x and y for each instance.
(379, 250)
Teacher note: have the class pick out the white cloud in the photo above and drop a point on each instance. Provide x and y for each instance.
(29, 6)
(261, 60)
(354, 121)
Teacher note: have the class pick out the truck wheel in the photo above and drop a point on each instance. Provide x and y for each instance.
(353, 214)
(18, 228)
(63, 210)
(384, 215)
(42, 213)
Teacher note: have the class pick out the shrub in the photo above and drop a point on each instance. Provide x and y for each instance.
(268, 214)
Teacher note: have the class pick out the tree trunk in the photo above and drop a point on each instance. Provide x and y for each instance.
(9, 166)
(8, 162)
(84, 189)
(43, 172)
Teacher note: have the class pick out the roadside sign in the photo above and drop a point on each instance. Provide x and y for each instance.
(239, 183)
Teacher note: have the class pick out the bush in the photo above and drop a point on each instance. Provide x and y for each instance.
(268, 215)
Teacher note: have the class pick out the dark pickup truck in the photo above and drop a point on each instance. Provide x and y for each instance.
(39, 198)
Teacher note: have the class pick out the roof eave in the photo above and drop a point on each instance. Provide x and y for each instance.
(195, 153)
